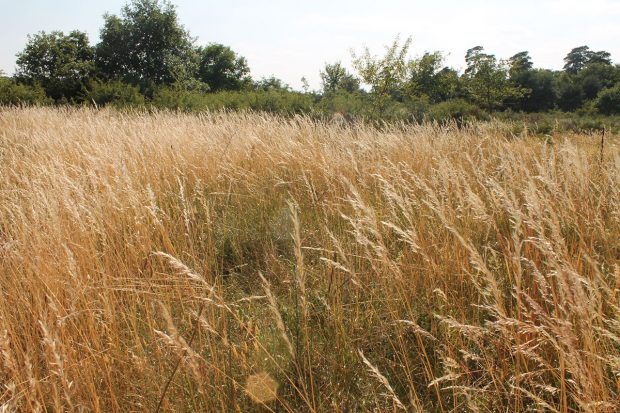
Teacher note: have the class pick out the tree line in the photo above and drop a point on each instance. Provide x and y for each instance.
(146, 57)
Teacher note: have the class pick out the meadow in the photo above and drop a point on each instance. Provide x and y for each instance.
(245, 262)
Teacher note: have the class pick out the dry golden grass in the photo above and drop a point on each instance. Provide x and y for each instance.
(343, 268)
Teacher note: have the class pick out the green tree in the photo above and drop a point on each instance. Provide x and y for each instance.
(486, 80)
(570, 94)
(385, 75)
(608, 101)
(538, 83)
(520, 63)
(542, 94)
(596, 77)
(61, 64)
(145, 45)
(336, 78)
(577, 88)
(271, 83)
(428, 78)
(222, 69)
(580, 57)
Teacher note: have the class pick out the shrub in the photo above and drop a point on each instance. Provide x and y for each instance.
(272, 101)
(608, 100)
(115, 93)
(170, 97)
(457, 109)
(13, 93)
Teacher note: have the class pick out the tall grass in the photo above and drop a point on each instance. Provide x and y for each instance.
(257, 263)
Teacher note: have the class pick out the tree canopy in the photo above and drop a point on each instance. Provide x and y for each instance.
(222, 69)
(61, 64)
(336, 78)
(145, 44)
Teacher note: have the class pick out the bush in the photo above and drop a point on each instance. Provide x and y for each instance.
(272, 101)
(115, 93)
(170, 97)
(12, 93)
(457, 109)
(350, 105)
(608, 100)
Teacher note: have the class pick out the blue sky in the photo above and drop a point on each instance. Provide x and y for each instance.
(291, 39)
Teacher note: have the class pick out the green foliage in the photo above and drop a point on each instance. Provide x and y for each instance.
(146, 45)
(222, 69)
(146, 57)
(458, 110)
(576, 89)
(335, 78)
(271, 83)
(273, 101)
(428, 78)
(596, 77)
(173, 97)
(520, 63)
(385, 75)
(350, 105)
(580, 57)
(115, 93)
(540, 85)
(61, 64)
(486, 80)
(608, 100)
(13, 93)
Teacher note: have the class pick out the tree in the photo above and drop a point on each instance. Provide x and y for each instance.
(601, 57)
(429, 79)
(578, 58)
(539, 85)
(596, 77)
(486, 80)
(519, 63)
(222, 69)
(146, 45)
(271, 83)
(61, 64)
(386, 75)
(335, 78)
(577, 88)
(570, 95)
(608, 101)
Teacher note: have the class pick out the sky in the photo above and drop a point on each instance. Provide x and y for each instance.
(294, 39)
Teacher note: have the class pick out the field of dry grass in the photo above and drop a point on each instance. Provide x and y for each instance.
(243, 262)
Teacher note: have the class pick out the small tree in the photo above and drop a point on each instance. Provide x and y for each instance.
(61, 64)
(385, 75)
(429, 79)
(222, 69)
(147, 44)
(270, 84)
(486, 80)
(335, 78)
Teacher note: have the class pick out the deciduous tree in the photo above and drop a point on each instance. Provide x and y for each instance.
(61, 64)
(146, 44)
(222, 69)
